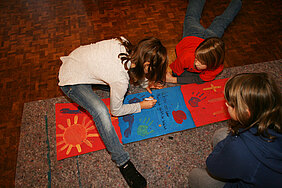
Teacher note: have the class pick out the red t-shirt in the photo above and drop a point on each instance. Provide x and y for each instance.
(185, 51)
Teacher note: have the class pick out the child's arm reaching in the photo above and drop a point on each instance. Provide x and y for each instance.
(154, 85)
(170, 78)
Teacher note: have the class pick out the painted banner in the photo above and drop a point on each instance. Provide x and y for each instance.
(206, 101)
(177, 109)
(76, 132)
(169, 115)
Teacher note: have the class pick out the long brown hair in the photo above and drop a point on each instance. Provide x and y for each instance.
(257, 102)
(211, 52)
(147, 50)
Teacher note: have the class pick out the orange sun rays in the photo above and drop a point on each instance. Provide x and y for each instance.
(75, 134)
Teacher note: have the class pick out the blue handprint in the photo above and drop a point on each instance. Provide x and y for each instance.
(130, 120)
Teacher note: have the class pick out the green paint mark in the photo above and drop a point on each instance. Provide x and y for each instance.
(48, 152)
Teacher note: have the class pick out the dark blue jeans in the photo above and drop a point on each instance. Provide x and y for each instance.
(84, 96)
(192, 26)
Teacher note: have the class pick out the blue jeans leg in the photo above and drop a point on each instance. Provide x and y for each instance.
(84, 96)
(192, 26)
(220, 23)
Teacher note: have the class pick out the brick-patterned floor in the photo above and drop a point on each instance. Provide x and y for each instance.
(34, 34)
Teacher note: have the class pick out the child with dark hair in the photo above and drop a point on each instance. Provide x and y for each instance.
(200, 53)
(249, 154)
(114, 64)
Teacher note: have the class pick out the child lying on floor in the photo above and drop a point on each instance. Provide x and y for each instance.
(200, 53)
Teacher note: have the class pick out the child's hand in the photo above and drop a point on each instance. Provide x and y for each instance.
(147, 104)
(155, 85)
(170, 78)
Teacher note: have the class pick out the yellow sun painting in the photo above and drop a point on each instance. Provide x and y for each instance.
(75, 134)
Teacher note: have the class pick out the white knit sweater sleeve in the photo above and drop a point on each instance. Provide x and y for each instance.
(117, 93)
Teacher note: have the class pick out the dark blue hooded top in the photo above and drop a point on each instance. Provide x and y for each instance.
(247, 160)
